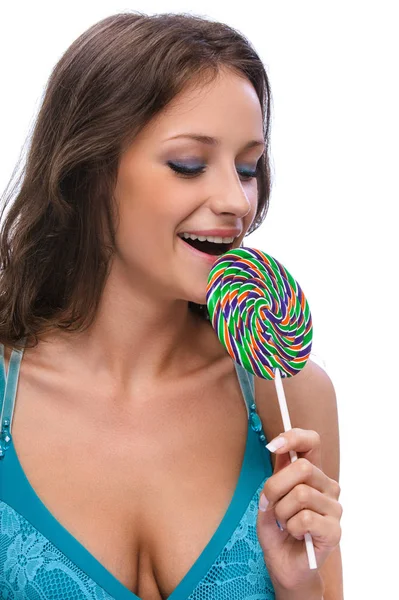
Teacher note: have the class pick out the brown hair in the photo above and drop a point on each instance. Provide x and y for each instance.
(57, 235)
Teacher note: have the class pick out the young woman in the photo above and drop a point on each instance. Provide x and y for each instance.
(128, 467)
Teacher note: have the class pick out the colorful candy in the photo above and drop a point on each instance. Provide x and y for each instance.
(259, 313)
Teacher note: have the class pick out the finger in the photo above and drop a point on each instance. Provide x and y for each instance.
(325, 530)
(305, 497)
(304, 441)
(300, 471)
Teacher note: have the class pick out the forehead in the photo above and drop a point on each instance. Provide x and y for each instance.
(227, 108)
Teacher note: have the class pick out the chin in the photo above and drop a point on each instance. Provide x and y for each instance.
(198, 297)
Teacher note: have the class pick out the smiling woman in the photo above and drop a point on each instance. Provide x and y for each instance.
(129, 468)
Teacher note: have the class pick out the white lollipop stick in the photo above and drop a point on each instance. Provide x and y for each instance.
(287, 426)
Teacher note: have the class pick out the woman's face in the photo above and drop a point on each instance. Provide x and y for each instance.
(157, 205)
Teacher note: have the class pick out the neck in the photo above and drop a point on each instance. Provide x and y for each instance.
(134, 337)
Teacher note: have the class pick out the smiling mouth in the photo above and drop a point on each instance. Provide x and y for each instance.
(206, 247)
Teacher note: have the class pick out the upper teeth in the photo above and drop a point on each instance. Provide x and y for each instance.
(208, 238)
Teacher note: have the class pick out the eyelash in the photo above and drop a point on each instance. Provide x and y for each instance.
(188, 173)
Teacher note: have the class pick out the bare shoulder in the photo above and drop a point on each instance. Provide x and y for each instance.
(312, 405)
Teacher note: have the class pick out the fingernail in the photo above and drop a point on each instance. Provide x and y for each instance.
(277, 443)
(263, 502)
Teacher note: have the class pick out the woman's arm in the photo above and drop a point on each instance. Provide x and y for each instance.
(312, 405)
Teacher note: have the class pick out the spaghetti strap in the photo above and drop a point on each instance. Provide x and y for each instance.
(247, 383)
(8, 389)
(246, 387)
(2, 375)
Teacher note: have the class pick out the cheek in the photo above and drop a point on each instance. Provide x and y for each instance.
(147, 224)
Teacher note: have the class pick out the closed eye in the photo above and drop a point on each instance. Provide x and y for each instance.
(184, 170)
(193, 171)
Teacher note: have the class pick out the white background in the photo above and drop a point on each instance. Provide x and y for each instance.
(333, 219)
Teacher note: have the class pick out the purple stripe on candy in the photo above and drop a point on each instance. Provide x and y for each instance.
(253, 294)
(262, 357)
(284, 354)
(234, 302)
(273, 318)
(255, 366)
(235, 350)
(287, 287)
(303, 352)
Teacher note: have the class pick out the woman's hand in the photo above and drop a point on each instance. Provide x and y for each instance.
(303, 499)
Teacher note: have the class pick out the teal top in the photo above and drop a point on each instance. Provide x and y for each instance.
(41, 560)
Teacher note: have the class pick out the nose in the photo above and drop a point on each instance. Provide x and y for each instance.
(229, 196)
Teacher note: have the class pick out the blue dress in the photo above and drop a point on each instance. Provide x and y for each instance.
(41, 560)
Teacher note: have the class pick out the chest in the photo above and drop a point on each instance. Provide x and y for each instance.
(141, 483)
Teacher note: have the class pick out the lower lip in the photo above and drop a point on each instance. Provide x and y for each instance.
(209, 258)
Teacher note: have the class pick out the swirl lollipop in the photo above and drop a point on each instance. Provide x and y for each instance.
(259, 312)
(262, 317)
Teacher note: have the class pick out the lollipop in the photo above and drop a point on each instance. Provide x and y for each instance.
(259, 312)
(262, 317)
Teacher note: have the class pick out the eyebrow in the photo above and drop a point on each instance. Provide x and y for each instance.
(211, 141)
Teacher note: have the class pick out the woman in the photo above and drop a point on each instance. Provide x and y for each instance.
(129, 469)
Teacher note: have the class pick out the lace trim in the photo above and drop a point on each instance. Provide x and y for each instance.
(32, 568)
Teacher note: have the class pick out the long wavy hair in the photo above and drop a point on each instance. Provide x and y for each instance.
(58, 219)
